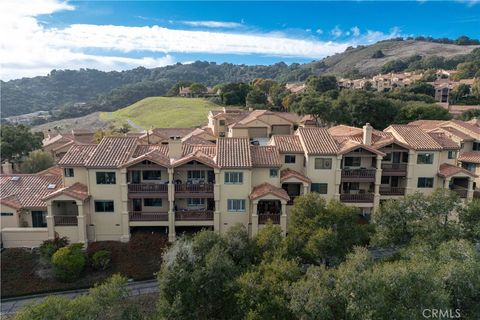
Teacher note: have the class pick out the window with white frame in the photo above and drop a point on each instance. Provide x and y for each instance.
(236, 205)
(233, 177)
(196, 174)
(323, 163)
(68, 172)
(194, 202)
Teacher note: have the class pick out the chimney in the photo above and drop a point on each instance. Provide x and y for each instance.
(367, 134)
(175, 148)
(7, 168)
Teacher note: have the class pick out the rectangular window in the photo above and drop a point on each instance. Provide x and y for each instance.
(385, 180)
(193, 202)
(321, 188)
(7, 214)
(152, 175)
(273, 173)
(236, 205)
(68, 172)
(221, 122)
(388, 157)
(469, 166)
(152, 202)
(476, 146)
(425, 183)
(323, 163)
(233, 177)
(352, 162)
(105, 177)
(104, 206)
(196, 174)
(425, 158)
(289, 158)
(452, 154)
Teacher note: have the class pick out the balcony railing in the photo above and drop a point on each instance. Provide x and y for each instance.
(263, 218)
(398, 168)
(357, 198)
(358, 174)
(147, 187)
(192, 215)
(462, 193)
(194, 188)
(148, 216)
(62, 221)
(392, 191)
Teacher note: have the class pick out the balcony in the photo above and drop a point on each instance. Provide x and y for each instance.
(263, 218)
(394, 169)
(148, 216)
(357, 198)
(147, 188)
(358, 175)
(192, 188)
(65, 221)
(392, 191)
(194, 215)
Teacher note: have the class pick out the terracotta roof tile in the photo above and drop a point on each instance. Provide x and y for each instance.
(112, 152)
(199, 156)
(142, 149)
(317, 141)
(286, 174)
(287, 143)
(27, 190)
(447, 170)
(443, 140)
(453, 131)
(428, 124)
(234, 153)
(415, 137)
(172, 132)
(472, 157)
(77, 155)
(265, 156)
(472, 128)
(265, 189)
(209, 149)
(77, 190)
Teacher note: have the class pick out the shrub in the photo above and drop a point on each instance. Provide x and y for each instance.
(49, 247)
(101, 259)
(69, 262)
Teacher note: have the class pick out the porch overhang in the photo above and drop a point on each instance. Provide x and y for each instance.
(76, 191)
(450, 171)
(266, 191)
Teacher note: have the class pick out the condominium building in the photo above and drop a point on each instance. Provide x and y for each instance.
(108, 190)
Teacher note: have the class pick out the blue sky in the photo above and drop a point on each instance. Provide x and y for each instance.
(119, 35)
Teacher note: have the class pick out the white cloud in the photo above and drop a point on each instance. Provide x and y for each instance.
(319, 31)
(212, 24)
(28, 48)
(336, 32)
(355, 31)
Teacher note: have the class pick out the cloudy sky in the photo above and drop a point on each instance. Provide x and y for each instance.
(41, 35)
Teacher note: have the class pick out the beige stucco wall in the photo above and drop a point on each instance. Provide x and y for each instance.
(425, 170)
(79, 175)
(23, 237)
(262, 175)
(297, 166)
(238, 132)
(329, 176)
(9, 221)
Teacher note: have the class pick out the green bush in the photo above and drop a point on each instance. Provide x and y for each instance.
(101, 259)
(69, 262)
(49, 247)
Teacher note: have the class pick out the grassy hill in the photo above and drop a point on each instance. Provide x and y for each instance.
(162, 112)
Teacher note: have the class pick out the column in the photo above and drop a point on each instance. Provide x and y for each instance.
(338, 178)
(50, 221)
(82, 231)
(447, 183)
(411, 186)
(255, 219)
(378, 182)
(171, 206)
(305, 188)
(125, 237)
(470, 189)
(216, 198)
(283, 218)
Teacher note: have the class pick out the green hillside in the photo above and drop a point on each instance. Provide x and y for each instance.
(162, 112)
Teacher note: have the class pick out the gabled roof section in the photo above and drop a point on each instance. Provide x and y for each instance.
(154, 156)
(77, 191)
(444, 141)
(287, 143)
(234, 153)
(77, 155)
(414, 136)
(265, 189)
(287, 173)
(208, 149)
(142, 149)
(265, 156)
(317, 141)
(112, 152)
(470, 157)
(448, 170)
(428, 125)
(470, 127)
(451, 131)
(166, 133)
(350, 145)
(196, 156)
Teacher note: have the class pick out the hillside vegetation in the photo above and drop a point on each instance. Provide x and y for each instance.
(162, 112)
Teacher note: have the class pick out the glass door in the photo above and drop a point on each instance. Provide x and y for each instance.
(39, 219)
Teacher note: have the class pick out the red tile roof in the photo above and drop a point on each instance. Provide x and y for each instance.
(286, 174)
(77, 191)
(415, 137)
(287, 143)
(318, 141)
(209, 149)
(234, 153)
(266, 189)
(447, 170)
(444, 141)
(471, 157)
(196, 156)
(112, 152)
(28, 190)
(453, 131)
(350, 145)
(77, 155)
(265, 156)
(428, 124)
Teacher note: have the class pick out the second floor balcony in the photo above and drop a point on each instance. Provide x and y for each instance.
(394, 169)
(357, 198)
(196, 188)
(392, 191)
(358, 175)
(194, 215)
(147, 216)
(147, 188)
